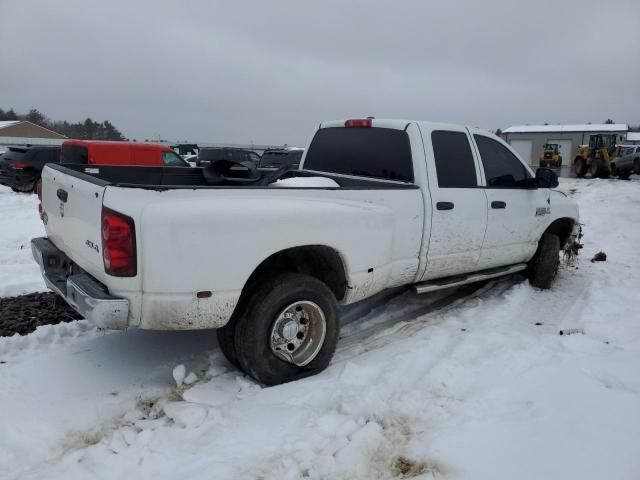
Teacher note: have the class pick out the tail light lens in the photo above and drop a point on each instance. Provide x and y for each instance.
(118, 244)
(18, 165)
(39, 192)
(358, 123)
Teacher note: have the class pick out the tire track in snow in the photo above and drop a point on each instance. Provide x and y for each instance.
(411, 320)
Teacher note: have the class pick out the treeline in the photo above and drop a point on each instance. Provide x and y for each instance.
(86, 130)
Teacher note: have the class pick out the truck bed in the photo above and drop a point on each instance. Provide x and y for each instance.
(165, 178)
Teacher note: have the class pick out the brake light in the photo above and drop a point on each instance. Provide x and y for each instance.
(39, 192)
(18, 165)
(118, 244)
(358, 123)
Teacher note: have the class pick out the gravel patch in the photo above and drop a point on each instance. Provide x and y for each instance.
(23, 314)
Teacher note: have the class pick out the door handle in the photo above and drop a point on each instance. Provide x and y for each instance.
(62, 195)
(498, 204)
(444, 205)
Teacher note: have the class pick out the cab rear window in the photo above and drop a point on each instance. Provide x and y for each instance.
(383, 153)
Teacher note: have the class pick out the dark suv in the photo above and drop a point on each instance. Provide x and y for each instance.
(21, 167)
(206, 155)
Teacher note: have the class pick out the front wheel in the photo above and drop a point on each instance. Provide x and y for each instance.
(288, 329)
(580, 167)
(543, 267)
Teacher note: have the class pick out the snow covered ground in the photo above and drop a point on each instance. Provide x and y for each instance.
(470, 384)
(19, 223)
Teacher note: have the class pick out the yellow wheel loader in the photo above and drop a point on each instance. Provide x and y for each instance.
(596, 157)
(551, 157)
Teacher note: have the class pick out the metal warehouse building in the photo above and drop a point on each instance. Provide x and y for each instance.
(528, 140)
(633, 138)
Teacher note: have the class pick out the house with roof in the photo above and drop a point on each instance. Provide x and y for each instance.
(22, 132)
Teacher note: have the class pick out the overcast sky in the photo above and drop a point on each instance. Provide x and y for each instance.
(270, 71)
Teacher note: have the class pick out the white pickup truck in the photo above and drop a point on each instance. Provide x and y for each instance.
(399, 202)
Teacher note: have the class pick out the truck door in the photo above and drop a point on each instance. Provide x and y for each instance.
(459, 204)
(517, 210)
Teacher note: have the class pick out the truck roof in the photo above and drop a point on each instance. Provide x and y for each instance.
(116, 144)
(396, 124)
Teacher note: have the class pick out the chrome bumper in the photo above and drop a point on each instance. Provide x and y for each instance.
(84, 293)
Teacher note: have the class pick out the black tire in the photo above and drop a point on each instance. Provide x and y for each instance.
(614, 170)
(28, 188)
(624, 175)
(543, 267)
(580, 167)
(636, 166)
(226, 341)
(255, 321)
(595, 167)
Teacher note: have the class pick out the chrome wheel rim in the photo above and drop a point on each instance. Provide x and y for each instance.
(298, 333)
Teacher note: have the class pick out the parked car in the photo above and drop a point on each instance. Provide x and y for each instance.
(20, 167)
(211, 154)
(192, 160)
(627, 163)
(277, 157)
(97, 152)
(400, 203)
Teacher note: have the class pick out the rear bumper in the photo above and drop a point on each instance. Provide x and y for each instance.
(17, 178)
(80, 290)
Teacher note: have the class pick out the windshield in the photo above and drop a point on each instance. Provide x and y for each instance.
(171, 159)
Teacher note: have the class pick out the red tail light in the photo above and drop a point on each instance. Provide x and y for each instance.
(18, 165)
(358, 123)
(118, 244)
(39, 192)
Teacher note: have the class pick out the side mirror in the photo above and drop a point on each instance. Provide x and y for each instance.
(546, 178)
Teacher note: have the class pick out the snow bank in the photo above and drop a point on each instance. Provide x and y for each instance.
(19, 223)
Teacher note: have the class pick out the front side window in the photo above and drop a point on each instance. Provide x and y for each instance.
(454, 161)
(170, 159)
(501, 167)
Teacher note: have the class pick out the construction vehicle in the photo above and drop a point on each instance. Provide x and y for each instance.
(597, 156)
(551, 157)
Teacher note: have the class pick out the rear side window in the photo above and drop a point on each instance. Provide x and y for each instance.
(501, 167)
(368, 152)
(15, 155)
(454, 161)
(74, 154)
